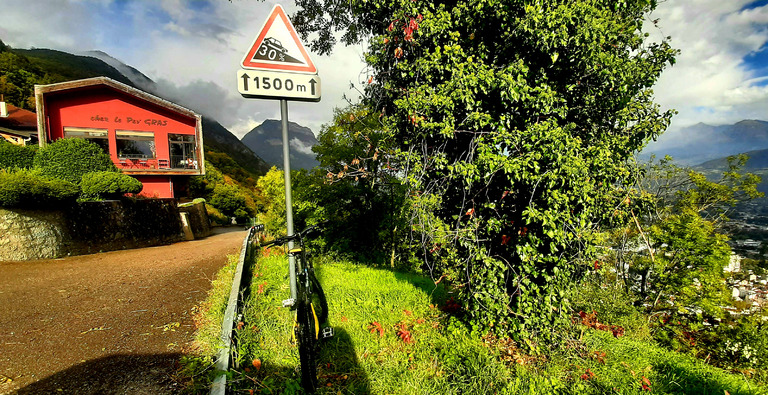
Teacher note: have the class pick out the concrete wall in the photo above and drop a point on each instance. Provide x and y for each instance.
(86, 228)
(198, 219)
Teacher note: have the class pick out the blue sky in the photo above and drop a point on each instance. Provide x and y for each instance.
(193, 49)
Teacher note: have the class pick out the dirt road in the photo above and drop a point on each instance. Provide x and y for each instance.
(108, 323)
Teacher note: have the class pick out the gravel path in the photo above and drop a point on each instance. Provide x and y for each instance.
(107, 323)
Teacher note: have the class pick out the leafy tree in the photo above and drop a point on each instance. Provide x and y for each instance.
(214, 186)
(514, 121)
(230, 200)
(680, 222)
(357, 187)
(272, 186)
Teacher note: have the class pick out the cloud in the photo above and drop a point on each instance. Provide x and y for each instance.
(714, 38)
(299, 146)
(712, 81)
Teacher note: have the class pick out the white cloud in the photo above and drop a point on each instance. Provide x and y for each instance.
(710, 82)
(299, 146)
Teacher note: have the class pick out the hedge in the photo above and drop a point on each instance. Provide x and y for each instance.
(108, 185)
(16, 156)
(29, 189)
(71, 158)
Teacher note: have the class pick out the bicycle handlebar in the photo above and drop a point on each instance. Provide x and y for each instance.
(307, 232)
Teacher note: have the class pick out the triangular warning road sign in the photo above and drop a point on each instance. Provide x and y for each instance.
(278, 48)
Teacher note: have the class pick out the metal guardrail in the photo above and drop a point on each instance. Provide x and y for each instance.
(224, 356)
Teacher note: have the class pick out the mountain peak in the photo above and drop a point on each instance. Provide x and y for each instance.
(266, 141)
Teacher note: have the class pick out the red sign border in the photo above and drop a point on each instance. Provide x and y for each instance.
(248, 63)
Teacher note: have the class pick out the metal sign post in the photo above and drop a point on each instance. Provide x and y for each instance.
(277, 66)
(288, 198)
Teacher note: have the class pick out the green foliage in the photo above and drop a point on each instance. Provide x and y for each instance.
(108, 185)
(30, 189)
(18, 76)
(515, 122)
(272, 187)
(670, 251)
(16, 156)
(216, 216)
(613, 304)
(356, 189)
(230, 167)
(225, 196)
(687, 269)
(231, 201)
(71, 158)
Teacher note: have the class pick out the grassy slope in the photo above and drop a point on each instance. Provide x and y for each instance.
(422, 350)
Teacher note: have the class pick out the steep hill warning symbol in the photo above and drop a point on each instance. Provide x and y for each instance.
(278, 48)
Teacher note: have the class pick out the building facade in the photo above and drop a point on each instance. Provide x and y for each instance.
(151, 139)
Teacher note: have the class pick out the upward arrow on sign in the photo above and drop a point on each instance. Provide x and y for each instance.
(278, 48)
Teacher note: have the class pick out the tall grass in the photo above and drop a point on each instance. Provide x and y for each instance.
(393, 336)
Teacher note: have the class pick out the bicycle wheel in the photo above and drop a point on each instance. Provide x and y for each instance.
(306, 336)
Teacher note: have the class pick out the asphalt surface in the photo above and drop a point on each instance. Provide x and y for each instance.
(107, 323)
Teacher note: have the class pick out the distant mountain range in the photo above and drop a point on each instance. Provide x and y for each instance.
(701, 143)
(267, 141)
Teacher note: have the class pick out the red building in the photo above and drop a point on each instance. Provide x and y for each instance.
(157, 142)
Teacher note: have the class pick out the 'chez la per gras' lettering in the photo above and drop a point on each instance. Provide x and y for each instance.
(130, 120)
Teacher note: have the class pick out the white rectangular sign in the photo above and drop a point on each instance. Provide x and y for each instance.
(276, 85)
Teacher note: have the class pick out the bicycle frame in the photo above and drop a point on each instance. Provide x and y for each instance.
(304, 285)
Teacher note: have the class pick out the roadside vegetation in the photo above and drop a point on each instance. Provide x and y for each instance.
(398, 332)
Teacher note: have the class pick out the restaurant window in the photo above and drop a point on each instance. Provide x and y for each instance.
(98, 136)
(183, 153)
(135, 145)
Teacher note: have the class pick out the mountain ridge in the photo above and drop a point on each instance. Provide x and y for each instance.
(266, 141)
(702, 142)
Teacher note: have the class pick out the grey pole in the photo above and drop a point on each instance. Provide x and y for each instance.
(288, 199)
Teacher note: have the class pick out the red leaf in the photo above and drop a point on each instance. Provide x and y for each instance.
(470, 212)
(376, 327)
(505, 239)
(588, 375)
(404, 334)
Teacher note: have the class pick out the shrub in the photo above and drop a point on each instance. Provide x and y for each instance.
(216, 216)
(231, 202)
(108, 185)
(29, 189)
(16, 156)
(70, 159)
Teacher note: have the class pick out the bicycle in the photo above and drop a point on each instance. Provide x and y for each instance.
(310, 304)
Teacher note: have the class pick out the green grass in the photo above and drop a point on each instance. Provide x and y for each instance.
(441, 356)
(196, 373)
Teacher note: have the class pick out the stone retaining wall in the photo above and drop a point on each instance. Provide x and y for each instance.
(88, 227)
(198, 219)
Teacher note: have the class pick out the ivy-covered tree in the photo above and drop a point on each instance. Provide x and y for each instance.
(515, 122)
